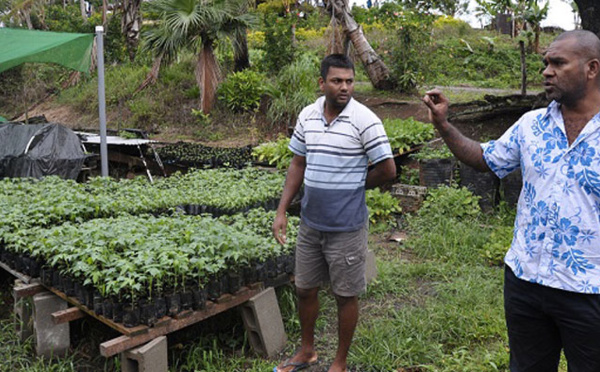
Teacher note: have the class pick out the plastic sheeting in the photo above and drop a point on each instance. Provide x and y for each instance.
(39, 150)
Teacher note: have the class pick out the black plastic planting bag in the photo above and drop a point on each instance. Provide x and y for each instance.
(39, 150)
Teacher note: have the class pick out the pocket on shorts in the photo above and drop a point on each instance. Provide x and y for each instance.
(354, 259)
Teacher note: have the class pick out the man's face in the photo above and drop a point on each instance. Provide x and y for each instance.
(338, 87)
(565, 75)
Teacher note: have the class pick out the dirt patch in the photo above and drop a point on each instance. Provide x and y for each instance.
(234, 130)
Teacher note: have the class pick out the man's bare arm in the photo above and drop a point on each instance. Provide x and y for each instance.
(293, 182)
(383, 172)
(465, 149)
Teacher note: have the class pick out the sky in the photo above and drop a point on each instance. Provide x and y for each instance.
(559, 14)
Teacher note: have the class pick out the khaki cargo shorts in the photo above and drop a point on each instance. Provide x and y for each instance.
(335, 257)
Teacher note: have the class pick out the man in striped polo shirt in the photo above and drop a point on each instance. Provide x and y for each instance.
(334, 140)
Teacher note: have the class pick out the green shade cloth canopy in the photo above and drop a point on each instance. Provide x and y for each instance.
(71, 50)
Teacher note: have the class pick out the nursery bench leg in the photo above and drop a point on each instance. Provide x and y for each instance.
(51, 339)
(23, 313)
(151, 357)
(262, 320)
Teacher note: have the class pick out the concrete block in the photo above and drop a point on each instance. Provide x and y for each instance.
(23, 312)
(151, 357)
(51, 339)
(263, 323)
(371, 269)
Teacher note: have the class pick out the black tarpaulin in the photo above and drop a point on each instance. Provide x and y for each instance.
(39, 150)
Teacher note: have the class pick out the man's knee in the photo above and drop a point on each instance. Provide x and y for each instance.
(307, 293)
(344, 300)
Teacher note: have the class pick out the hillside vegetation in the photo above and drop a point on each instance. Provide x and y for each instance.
(420, 50)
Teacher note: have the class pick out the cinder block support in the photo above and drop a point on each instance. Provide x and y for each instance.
(151, 357)
(371, 270)
(23, 310)
(51, 339)
(263, 323)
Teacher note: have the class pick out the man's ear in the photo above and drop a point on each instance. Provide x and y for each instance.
(593, 69)
(321, 83)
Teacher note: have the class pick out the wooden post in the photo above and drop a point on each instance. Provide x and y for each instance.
(523, 69)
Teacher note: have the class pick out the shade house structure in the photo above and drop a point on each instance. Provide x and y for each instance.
(70, 50)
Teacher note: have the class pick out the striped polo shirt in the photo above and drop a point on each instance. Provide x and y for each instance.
(337, 155)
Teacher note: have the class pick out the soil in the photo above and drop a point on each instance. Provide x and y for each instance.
(239, 134)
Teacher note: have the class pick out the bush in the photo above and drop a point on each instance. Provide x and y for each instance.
(242, 90)
(403, 134)
(450, 202)
(433, 152)
(382, 207)
(497, 246)
(410, 52)
(278, 46)
(274, 153)
(295, 87)
(451, 26)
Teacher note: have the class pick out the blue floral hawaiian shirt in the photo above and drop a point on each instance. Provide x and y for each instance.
(556, 231)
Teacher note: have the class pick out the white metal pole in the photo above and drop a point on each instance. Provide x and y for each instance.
(101, 100)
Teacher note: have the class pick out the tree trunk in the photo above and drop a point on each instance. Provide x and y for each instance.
(523, 69)
(130, 25)
(377, 71)
(82, 10)
(207, 75)
(152, 76)
(104, 18)
(27, 16)
(241, 58)
(589, 11)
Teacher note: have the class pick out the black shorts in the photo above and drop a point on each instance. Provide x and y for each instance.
(543, 320)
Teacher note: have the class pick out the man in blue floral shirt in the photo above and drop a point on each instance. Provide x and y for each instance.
(552, 275)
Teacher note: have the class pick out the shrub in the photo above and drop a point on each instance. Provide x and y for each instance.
(382, 207)
(403, 134)
(256, 39)
(242, 90)
(497, 246)
(278, 46)
(410, 52)
(309, 34)
(451, 26)
(295, 87)
(433, 152)
(274, 153)
(450, 202)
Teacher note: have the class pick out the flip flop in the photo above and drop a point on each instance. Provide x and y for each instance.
(298, 366)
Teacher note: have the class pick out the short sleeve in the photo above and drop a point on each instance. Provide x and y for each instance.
(297, 142)
(376, 143)
(503, 155)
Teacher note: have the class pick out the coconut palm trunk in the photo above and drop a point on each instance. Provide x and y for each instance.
(130, 25)
(376, 69)
(207, 75)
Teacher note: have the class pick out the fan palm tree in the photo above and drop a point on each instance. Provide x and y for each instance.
(197, 25)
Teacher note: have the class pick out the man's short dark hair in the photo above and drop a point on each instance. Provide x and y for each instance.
(335, 60)
(588, 43)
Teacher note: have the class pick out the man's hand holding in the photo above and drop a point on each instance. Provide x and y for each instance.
(438, 107)
(280, 227)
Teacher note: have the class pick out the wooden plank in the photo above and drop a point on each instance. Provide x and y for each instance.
(65, 316)
(24, 278)
(116, 326)
(28, 290)
(122, 343)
